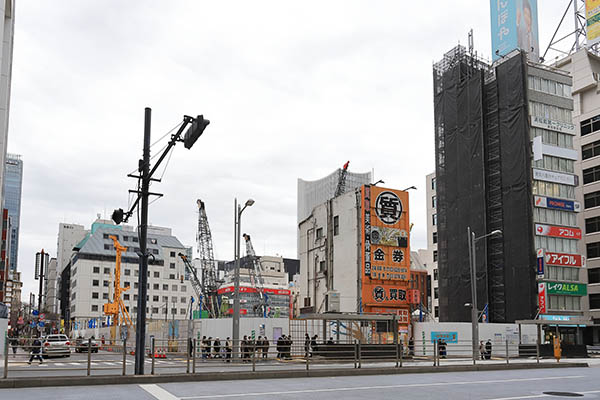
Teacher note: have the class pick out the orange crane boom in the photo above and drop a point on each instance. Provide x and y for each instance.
(112, 308)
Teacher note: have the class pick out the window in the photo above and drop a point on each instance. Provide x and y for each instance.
(594, 301)
(156, 274)
(135, 239)
(436, 293)
(107, 270)
(555, 164)
(95, 282)
(172, 265)
(165, 287)
(152, 240)
(105, 283)
(433, 201)
(336, 225)
(137, 273)
(127, 272)
(562, 273)
(104, 296)
(155, 286)
(94, 295)
(154, 310)
(74, 295)
(435, 274)
(436, 312)
(135, 285)
(435, 255)
(322, 267)
(171, 276)
(135, 297)
(126, 296)
(94, 307)
(174, 288)
(135, 309)
(125, 238)
(183, 288)
(154, 298)
(165, 299)
(319, 233)
(433, 183)
(73, 283)
(434, 237)
(105, 235)
(591, 199)
(74, 271)
(183, 300)
(592, 224)
(593, 250)
(127, 284)
(594, 275)
(553, 189)
(172, 254)
(590, 125)
(590, 150)
(571, 303)
(174, 299)
(434, 219)
(182, 311)
(107, 247)
(173, 311)
(96, 270)
(154, 251)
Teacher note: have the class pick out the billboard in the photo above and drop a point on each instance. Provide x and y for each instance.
(573, 289)
(557, 231)
(555, 177)
(565, 260)
(514, 25)
(592, 17)
(385, 247)
(556, 204)
(542, 298)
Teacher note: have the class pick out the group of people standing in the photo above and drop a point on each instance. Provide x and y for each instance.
(284, 347)
(250, 348)
(485, 351)
(216, 349)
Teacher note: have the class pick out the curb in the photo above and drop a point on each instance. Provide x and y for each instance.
(13, 383)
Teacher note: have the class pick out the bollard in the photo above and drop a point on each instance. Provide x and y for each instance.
(124, 357)
(435, 354)
(152, 354)
(401, 353)
(537, 351)
(194, 356)
(507, 356)
(187, 361)
(355, 354)
(397, 355)
(5, 355)
(253, 358)
(475, 355)
(89, 360)
(359, 355)
(308, 361)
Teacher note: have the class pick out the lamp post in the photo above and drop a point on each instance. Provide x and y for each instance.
(238, 210)
(378, 182)
(409, 188)
(474, 310)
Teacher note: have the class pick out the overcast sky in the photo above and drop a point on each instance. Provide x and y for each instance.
(292, 89)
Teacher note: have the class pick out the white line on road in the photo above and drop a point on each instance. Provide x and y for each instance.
(346, 389)
(537, 396)
(158, 392)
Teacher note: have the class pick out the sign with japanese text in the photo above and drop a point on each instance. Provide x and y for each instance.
(448, 337)
(385, 247)
(540, 262)
(514, 26)
(556, 204)
(542, 297)
(573, 289)
(557, 231)
(564, 259)
(557, 126)
(592, 16)
(555, 177)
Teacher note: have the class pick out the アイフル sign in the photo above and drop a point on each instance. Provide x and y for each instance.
(564, 259)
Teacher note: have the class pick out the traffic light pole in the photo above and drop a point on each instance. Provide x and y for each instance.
(41, 276)
(140, 332)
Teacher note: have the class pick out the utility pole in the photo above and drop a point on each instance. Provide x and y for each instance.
(40, 258)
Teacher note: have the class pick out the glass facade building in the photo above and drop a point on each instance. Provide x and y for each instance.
(13, 182)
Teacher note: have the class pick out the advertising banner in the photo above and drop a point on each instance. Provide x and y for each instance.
(514, 25)
(565, 260)
(592, 17)
(573, 289)
(551, 125)
(554, 177)
(448, 337)
(542, 297)
(557, 231)
(556, 204)
(540, 262)
(386, 255)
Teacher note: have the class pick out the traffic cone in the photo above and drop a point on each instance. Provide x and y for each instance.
(164, 354)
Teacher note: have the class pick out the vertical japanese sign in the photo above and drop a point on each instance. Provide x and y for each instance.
(592, 17)
(385, 248)
(542, 297)
(514, 25)
(540, 262)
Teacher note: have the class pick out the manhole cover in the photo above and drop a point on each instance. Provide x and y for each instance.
(564, 394)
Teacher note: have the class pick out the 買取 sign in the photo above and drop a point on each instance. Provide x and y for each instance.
(448, 337)
(556, 204)
(573, 289)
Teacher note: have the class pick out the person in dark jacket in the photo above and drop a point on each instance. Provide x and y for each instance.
(306, 345)
(265, 347)
(36, 350)
(488, 350)
(313, 345)
(217, 348)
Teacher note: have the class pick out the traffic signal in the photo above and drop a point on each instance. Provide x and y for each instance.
(195, 131)
(118, 216)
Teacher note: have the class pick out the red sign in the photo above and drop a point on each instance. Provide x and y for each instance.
(243, 311)
(557, 231)
(542, 297)
(246, 289)
(565, 260)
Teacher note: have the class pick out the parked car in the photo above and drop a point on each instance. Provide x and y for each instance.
(81, 345)
(56, 345)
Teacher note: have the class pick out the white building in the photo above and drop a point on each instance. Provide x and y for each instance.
(7, 26)
(68, 236)
(429, 255)
(50, 287)
(90, 274)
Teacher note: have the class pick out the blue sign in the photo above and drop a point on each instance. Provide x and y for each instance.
(35, 312)
(448, 337)
(556, 317)
(559, 204)
(41, 324)
(514, 26)
(540, 265)
(32, 324)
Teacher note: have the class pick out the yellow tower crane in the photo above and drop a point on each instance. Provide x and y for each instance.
(112, 308)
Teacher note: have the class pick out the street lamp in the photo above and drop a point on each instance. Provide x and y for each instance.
(238, 210)
(409, 188)
(378, 182)
(474, 311)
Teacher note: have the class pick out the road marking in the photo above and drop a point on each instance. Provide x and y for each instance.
(537, 396)
(60, 364)
(158, 392)
(408, 385)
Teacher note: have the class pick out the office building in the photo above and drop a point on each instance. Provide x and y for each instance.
(430, 254)
(7, 27)
(13, 182)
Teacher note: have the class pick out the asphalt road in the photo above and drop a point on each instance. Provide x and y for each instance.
(489, 385)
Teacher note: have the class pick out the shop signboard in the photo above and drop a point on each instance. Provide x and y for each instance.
(592, 17)
(557, 231)
(514, 25)
(568, 288)
(564, 259)
(555, 177)
(556, 204)
(557, 126)
(542, 298)
(540, 262)
(448, 337)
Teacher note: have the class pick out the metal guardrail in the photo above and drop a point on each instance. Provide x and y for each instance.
(191, 356)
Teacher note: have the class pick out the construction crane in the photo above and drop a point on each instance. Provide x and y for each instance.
(112, 308)
(255, 271)
(204, 297)
(341, 186)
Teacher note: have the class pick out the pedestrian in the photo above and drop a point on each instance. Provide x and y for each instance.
(244, 348)
(289, 344)
(208, 347)
(228, 348)
(36, 349)
(14, 342)
(313, 345)
(306, 345)
(203, 347)
(488, 350)
(265, 352)
(279, 345)
(411, 347)
(103, 340)
(482, 349)
(217, 348)
(330, 342)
